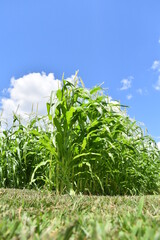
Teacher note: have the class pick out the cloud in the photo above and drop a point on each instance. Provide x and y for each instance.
(140, 91)
(158, 144)
(157, 85)
(156, 65)
(126, 83)
(29, 91)
(129, 96)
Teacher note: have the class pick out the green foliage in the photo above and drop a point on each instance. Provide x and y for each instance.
(88, 144)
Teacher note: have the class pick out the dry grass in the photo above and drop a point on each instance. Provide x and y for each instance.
(29, 214)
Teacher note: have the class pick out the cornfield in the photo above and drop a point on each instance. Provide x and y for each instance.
(86, 144)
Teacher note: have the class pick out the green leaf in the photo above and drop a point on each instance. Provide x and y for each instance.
(43, 163)
(86, 154)
(48, 108)
(59, 94)
(84, 143)
(111, 156)
(57, 124)
(69, 114)
(95, 90)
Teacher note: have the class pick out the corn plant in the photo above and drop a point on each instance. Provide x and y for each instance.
(86, 144)
(20, 153)
(95, 147)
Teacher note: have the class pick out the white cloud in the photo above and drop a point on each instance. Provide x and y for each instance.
(129, 96)
(30, 90)
(159, 41)
(158, 144)
(140, 91)
(156, 65)
(157, 85)
(126, 83)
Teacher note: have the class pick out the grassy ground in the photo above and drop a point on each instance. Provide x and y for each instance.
(28, 214)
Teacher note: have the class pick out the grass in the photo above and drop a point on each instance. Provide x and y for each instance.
(29, 214)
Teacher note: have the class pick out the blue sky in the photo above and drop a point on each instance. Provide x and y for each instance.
(110, 41)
